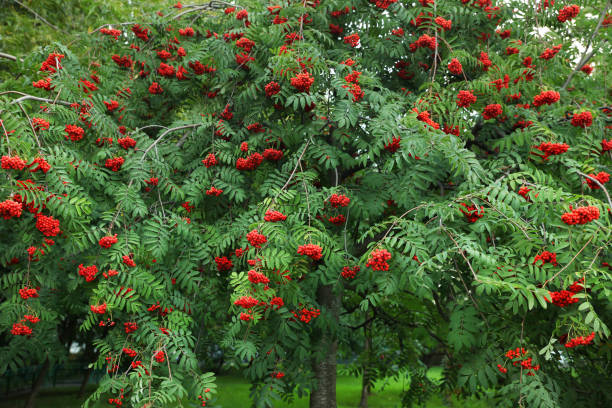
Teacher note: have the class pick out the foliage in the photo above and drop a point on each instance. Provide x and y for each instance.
(452, 213)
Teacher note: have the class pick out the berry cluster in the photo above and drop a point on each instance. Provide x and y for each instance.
(445, 24)
(272, 88)
(130, 327)
(339, 200)
(352, 40)
(52, 62)
(155, 89)
(337, 220)
(210, 160)
(256, 239)
(471, 212)
(425, 117)
(546, 257)
(582, 119)
(274, 216)
(568, 13)
(42, 165)
(246, 302)
(48, 225)
(562, 298)
(302, 82)
(378, 260)
(159, 356)
(576, 286)
(485, 61)
(27, 293)
(272, 154)
(311, 250)
(602, 177)
(465, 99)
(306, 315)
(394, 145)
(126, 142)
(454, 66)
(491, 111)
(114, 164)
(546, 98)
(258, 277)
(277, 301)
(424, 41)
(108, 241)
(523, 192)
(129, 352)
(550, 149)
(223, 264)
(349, 273)
(127, 259)
(20, 329)
(98, 309)
(580, 215)
(580, 340)
(12, 162)
(214, 191)
(10, 209)
(88, 272)
(550, 52)
(74, 133)
(250, 163)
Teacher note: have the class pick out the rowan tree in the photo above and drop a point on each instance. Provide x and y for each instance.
(274, 179)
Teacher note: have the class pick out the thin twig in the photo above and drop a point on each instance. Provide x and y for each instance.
(26, 97)
(462, 253)
(39, 17)
(164, 134)
(8, 56)
(31, 126)
(587, 56)
(8, 142)
(594, 180)
(570, 262)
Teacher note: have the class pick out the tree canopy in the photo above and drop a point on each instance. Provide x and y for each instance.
(395, 183)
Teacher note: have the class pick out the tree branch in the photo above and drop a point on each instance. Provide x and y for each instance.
(594, 180)
(211, 5)
(39, 17)
(164, 134)
(26, 97)
(8, 56)
(586, 56)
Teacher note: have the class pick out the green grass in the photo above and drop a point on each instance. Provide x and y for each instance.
(233, 391)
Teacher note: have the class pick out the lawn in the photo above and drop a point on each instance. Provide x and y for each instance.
(234, 392)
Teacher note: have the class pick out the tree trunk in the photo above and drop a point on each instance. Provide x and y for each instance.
(365, 382)
(324, 395)
(37, 384)
(81, 393)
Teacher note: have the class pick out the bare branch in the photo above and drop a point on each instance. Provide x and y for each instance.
(594, 180)
(39, 16)
(8, 56)
(26, 97)
(586, 56)
(164, 134)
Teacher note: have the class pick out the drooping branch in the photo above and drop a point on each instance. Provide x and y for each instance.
(41, 18)
(194, 125)
(211, 5)
(587, 55)
(594, 180)
(25, 97)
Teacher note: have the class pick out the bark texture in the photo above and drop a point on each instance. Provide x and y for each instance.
(324, 395)
(37, 384)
